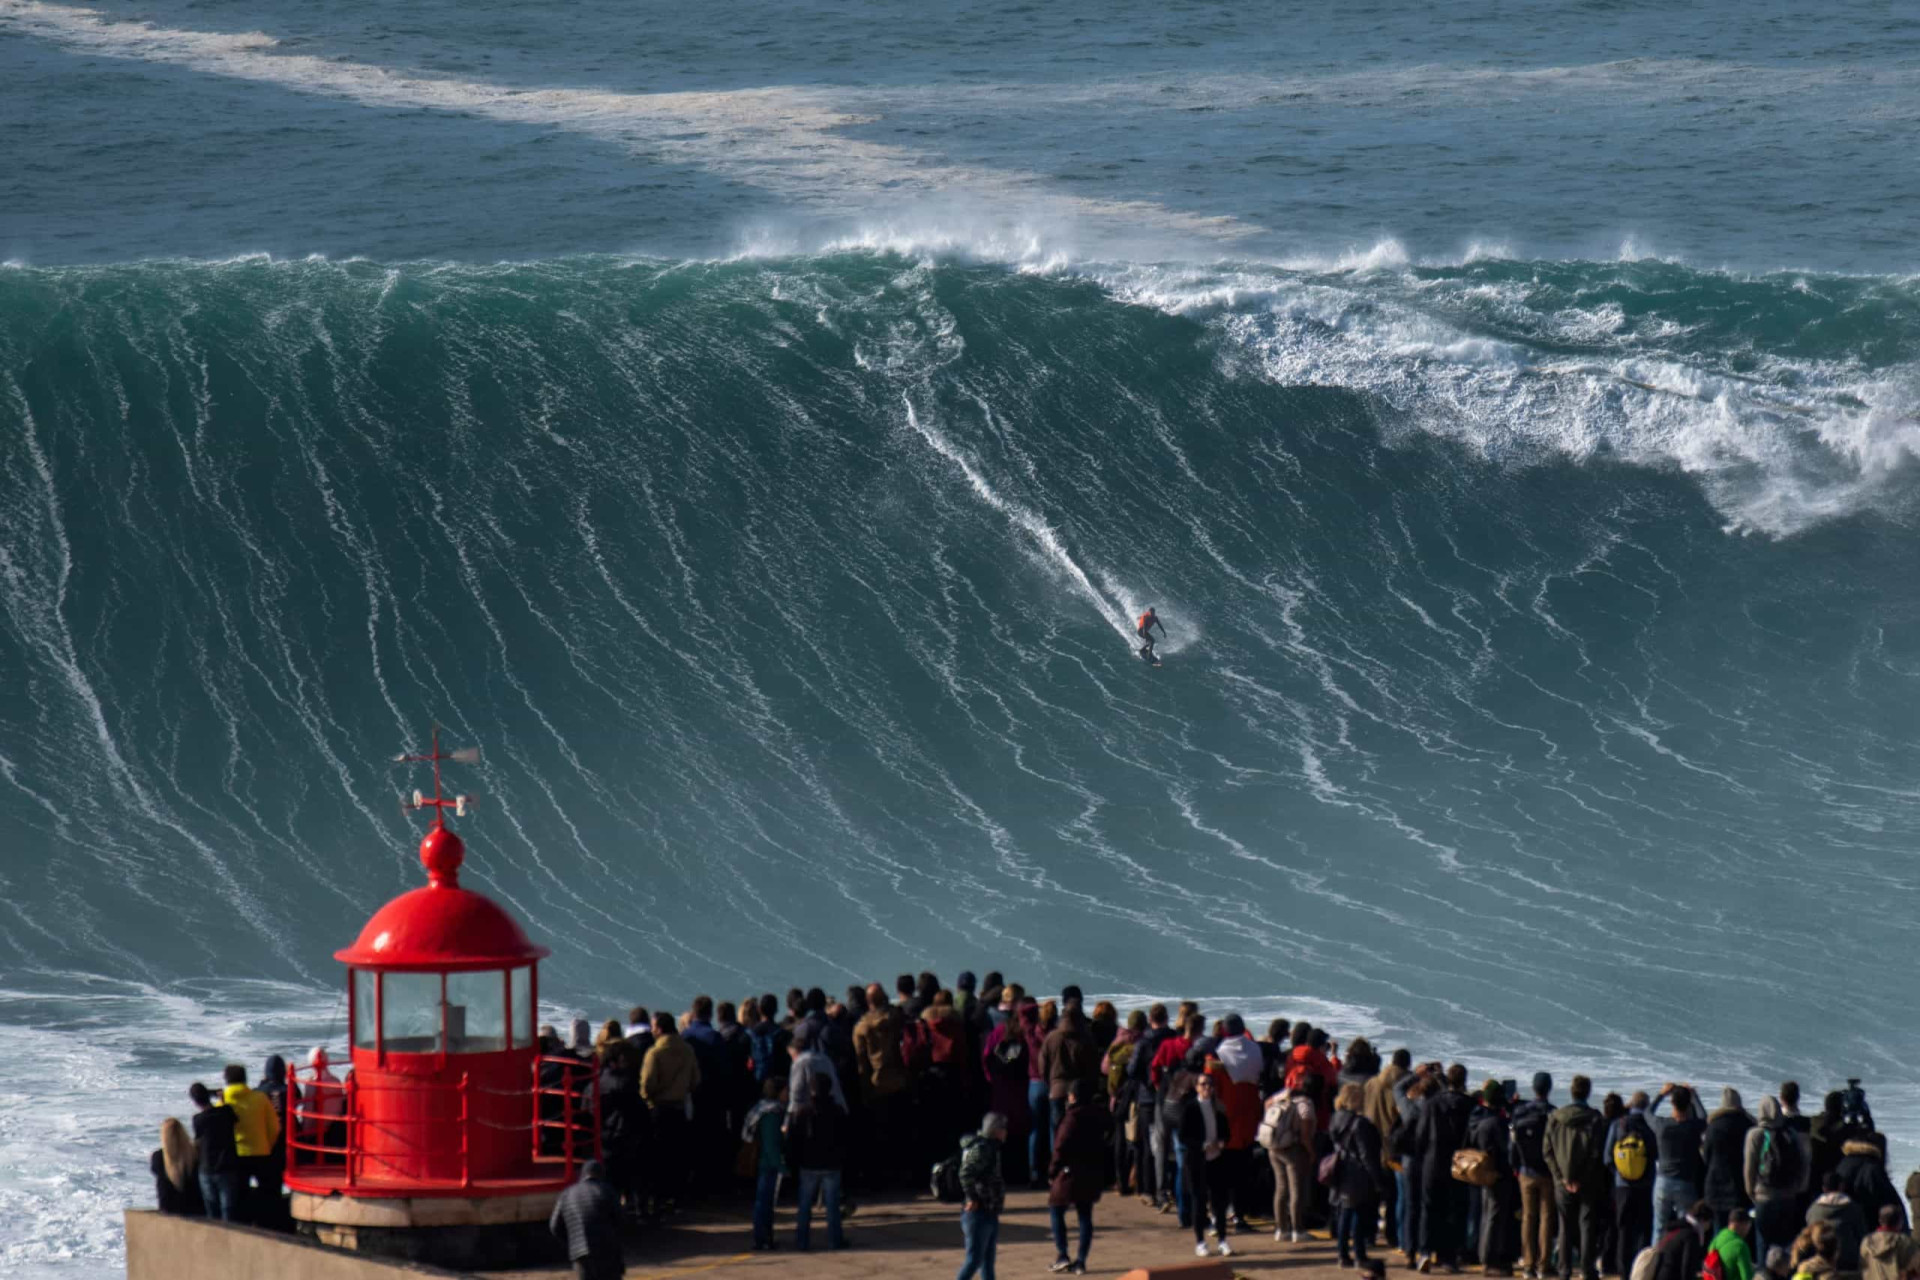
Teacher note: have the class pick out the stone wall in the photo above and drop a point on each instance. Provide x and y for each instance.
(162, 1246)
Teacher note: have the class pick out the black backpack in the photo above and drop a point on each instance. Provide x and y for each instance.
(1529, 1136)
(946, 1180)
(1779, 1163)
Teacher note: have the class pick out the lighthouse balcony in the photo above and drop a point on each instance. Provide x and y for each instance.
(505, 1126)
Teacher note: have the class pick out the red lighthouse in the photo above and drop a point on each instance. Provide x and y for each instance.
(441, 1143)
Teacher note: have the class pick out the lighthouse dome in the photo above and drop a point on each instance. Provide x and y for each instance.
(441, 926)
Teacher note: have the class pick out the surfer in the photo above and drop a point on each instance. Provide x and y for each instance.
(1148, 621)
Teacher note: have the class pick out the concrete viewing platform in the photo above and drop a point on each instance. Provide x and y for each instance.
(891, 1238)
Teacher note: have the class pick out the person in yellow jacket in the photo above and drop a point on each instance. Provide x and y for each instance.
(668, 1077)
(256, 1127)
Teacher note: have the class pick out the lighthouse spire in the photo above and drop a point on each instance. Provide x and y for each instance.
(441, 850)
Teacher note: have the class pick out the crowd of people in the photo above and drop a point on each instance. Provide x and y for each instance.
(968, 1090)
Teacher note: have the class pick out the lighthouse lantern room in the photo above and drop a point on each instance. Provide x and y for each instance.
(449, 1095)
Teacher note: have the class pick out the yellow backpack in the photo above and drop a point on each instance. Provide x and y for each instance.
(1630, 1154)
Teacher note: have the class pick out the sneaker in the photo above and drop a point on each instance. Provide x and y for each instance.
(1166, 1206)
(1200, 1250)
(1426, 1265)
(1299, 1237)
(1077, 1269)
(1226, 1250)
(1061, 1267)
(1279, 1236)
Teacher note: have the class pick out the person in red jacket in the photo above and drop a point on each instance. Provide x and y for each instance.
(1144, 629)
(1307, 1057)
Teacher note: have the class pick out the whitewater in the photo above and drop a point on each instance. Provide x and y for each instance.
(761, 452)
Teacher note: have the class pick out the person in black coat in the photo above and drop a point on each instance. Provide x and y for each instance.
(1442, 1130)
(175, 1166)
(1360, 1179)
(1202, 1133)
(1080, 1153)
(1724, 1147)
(1682, 1251)
(1863, 1176)
(623, 1124)
(1499, 1203)
(817, 1147)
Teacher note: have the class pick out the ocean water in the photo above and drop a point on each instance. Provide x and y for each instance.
(755, 428)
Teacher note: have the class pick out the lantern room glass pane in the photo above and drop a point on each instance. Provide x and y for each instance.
(411, 1014)
(521, 993)
(365, 1025)
(477, 1012)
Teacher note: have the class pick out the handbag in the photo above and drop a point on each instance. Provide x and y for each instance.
(1475, 1168)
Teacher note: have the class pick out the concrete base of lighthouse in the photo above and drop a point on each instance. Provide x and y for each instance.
(482, 1233)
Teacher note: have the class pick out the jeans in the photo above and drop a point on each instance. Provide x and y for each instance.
(1671, 1200)
(1392, 1216)
(1409, 1213)
(1039, 1132)
(765, 1188)
(1145, 1183)
(1058, 1117)
(826, 1184)
(1351, 1227)
(1085, 1213)
(222, 1192)
(981, 1232)
(1183, 1204)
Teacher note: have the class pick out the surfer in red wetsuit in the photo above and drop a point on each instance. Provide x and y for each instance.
(1144, 629)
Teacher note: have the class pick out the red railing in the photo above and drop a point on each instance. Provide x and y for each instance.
(315, 1145)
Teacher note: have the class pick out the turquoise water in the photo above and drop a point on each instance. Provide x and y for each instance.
(756, 429)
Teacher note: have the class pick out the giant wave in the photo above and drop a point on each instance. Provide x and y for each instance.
(1543, 634)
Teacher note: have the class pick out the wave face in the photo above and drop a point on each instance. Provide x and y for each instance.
(1542, 635)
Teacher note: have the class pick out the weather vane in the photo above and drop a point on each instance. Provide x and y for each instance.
(438, 802)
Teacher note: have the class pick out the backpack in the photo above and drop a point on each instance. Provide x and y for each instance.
(1286, 1120)
(1631, 1151)
(1529, 1131)
(1119, 1058)
(763, 1042)
(1714, 1268)
(946, 1181)
(1779, 1163)
(1583, 1147)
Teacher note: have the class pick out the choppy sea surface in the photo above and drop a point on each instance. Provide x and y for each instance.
(755, 427)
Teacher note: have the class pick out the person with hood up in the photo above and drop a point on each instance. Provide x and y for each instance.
(176, 1172)
(580, 1043)
(1889, 1253)
(809, 1062)
(1575, 1150)
(1304, 1057)
(323, 1111)
(273, 1083)
(623, 1124)
(943, 1079)
(1777, 1163)
(1538, 1221)
(1381, 1105)
(256, 1131)
(1736, 1259)
(1500, 1202)
(1825, 1136)
(586, 1221)
(1835, 1208)
(1863, 1176)
(1724, 1152)
(1104, 1026)
(984, 1194)
(1079, 1173)
(1359, 1175)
